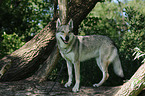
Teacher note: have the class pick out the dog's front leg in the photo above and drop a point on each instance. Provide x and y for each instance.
(69, 67)
(77, 77)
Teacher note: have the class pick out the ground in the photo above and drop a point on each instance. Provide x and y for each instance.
(31, 88)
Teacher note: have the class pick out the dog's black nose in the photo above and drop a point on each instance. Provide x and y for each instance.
(67, 38)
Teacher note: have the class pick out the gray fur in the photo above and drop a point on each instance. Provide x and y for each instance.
(80, 48)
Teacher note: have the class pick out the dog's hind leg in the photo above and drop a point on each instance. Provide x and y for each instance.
(69, 67)
(103, 65)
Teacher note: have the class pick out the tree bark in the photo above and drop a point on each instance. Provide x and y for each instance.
(25, 61)
(63, 11)
(135, 85)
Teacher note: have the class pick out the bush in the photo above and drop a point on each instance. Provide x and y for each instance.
(10, 43)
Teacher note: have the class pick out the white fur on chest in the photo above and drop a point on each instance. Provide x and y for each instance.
(68, 56)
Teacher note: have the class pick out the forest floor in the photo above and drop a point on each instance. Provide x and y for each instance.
(31, 88)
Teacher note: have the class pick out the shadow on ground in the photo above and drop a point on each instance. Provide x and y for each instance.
(31, 88)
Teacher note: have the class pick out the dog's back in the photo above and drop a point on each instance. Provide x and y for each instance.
(89, 46)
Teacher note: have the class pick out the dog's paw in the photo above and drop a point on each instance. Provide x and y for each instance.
(68, 84)
(76, 88)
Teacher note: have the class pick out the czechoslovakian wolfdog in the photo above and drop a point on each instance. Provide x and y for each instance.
(75, 49)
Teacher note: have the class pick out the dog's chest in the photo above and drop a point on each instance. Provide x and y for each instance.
(68, 56)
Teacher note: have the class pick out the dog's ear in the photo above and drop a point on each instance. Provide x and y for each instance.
(58, 23)
(70, 23)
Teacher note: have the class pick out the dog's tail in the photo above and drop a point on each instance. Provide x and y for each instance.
(117, 66)
(116, 63)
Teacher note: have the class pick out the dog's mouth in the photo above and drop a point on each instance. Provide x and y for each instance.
(65, 41)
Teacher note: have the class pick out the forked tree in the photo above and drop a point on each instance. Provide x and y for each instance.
(40, 54)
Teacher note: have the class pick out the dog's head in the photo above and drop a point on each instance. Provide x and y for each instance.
(64, 33)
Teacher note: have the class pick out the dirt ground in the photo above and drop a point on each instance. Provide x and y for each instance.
(31, 88)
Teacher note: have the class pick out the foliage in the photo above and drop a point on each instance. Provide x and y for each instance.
(138, 53)
(24, 18)
(10, 43)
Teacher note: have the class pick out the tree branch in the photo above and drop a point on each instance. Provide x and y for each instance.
(135, 85)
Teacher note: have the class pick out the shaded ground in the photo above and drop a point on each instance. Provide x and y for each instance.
(31, 88)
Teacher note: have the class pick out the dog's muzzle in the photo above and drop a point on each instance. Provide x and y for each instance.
(66, 39)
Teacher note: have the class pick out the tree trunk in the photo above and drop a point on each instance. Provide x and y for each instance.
(51, 61)
(135, 85)
(26, 60)
(41, 49)
(63, 11)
